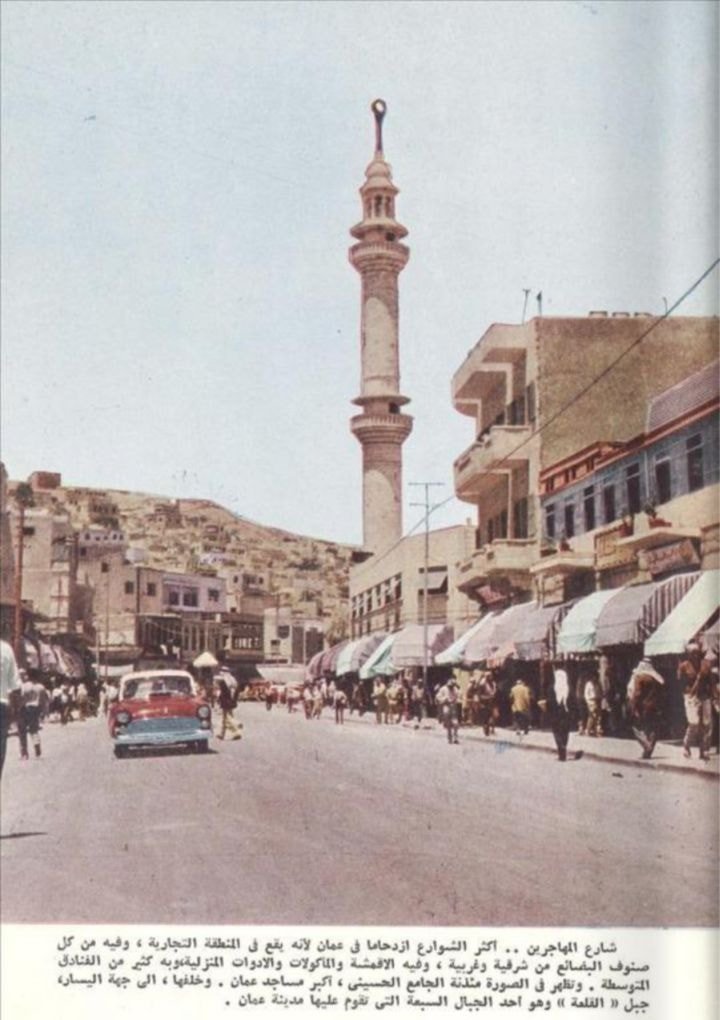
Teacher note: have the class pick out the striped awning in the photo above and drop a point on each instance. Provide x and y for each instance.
(537, 638)
(639, 610)
(355, 653)
(330, 657)
(577, 631)
(379, 662)
(482, 646)
(409, 646)
(691, 614)
(314, 667)
(454, 654)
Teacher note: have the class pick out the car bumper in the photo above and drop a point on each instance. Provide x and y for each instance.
(140, 736)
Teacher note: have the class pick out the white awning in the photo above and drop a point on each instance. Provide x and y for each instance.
(577, 631)
(688, 618)
(454, 653)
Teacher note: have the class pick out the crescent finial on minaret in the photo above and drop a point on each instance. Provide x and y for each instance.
(379, 109)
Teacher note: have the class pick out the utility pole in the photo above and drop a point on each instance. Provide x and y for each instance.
(24, 499)
(428, 510)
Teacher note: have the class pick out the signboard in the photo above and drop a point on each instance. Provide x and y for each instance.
(670, 557)
(607, 554)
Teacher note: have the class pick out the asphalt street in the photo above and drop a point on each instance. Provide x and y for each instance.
(311, 823)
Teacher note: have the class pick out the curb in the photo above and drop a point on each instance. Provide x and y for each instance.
(611, 759)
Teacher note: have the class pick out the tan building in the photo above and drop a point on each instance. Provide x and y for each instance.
(531, 393)
(290, 638)
(49, 577)
(381, 428)
(387, 591)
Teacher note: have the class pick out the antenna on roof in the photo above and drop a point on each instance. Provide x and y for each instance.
(538, 298)
(526, 292)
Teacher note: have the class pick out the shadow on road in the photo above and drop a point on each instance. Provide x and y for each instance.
(22, 835)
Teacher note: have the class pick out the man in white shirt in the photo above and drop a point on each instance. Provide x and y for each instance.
(9, 688)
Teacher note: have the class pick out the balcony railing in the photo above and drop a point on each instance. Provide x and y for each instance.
(500, 449)
(502, 557)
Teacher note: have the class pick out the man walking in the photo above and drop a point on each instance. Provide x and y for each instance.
(520, 700)
(33, 704)
(9, 690)
(645, 690)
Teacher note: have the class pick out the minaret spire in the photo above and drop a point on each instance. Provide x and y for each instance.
(381, 429)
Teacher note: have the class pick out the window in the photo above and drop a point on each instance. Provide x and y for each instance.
(283, 631)
(530, 402)
(632, 487)
(520, 518)
(663, 481)
(213, 594)
(190, 598)
(550, 520)
(502, 524)
(491, 530)
(609, 503)
(694, 463)
(28, 531)
(589, 507)
(151, 588)
(569, 520)
(104, 568)
(174, 598)
(129, 588)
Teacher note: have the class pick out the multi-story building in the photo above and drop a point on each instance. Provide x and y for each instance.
(289, 637)
(621, 513)
(533, 394)
(388, 591)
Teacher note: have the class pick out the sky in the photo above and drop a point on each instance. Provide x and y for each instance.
(179, 180)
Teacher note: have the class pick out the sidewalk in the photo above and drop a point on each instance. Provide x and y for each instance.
(667, 756)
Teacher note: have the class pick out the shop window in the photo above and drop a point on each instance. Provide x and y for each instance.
(589, 507)
(609, 513)
(569, 520)
(632, 488)
(695, 471)
(663, 481)
(550, 520)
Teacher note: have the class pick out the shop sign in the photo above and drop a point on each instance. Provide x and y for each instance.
(607, 553)
(671, 557)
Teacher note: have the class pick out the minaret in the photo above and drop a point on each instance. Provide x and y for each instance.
(381, 428)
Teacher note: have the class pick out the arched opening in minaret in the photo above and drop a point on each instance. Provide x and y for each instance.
(388, 208)
(394, 409)
(378, 205)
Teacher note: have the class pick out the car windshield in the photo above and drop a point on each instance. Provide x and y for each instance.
(145, 688)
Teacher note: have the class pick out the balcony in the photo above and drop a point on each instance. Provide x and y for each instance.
(499, 353)
(505, 558)
(503, 448)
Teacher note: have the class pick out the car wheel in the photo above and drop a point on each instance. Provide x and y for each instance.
(202, 746)
(120, 751)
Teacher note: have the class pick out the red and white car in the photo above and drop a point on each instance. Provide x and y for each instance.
(159, 708)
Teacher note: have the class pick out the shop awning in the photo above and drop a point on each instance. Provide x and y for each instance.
(688, 618)
(577, 631)
(283, 675)
(379, 661)
(537, 637)
(357, 652)
(480, 647)
(639, 610)
(710, 638)
(48, 659)
(330, 658)
(314, 667)
(408, 647)
(454, 653)
(505, 633)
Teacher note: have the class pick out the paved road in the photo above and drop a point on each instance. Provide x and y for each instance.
(310, 823)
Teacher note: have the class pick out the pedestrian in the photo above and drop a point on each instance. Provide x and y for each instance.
(226, 701)
(417, 701)
(645, 692)
(520, 704)
(695, 674)
(592, 693)
(9, 694)
(270, 695)
(396, 700)
(318, 700)
(66, 704)
(450, 705)
(291, 698)
(380, 700)
(556, 693)
(488, 711)
(82, 699)
(340, 701)
(33, 704)
(307, 701)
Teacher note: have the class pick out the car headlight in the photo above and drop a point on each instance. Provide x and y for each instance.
(122, 718)
(203, 712)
